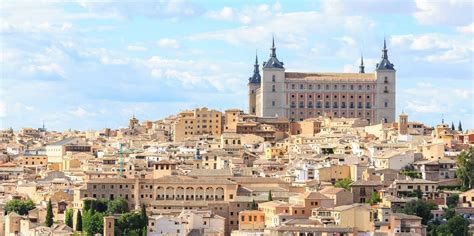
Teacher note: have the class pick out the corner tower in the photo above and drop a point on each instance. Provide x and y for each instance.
(253, 85)
(271, 100)
(385, 89)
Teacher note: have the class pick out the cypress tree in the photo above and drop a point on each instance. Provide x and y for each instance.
(144, 218)
(79, 221)
(69, 216)
(49, 214)
(452, 126)
(460, 126)
(270, 197)
(254, 205)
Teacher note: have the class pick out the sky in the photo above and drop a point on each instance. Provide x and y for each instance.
(94, 64)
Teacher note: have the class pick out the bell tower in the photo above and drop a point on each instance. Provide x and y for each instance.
(385, 89)
(253, 85)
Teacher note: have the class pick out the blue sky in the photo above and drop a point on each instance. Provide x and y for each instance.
(93, 64)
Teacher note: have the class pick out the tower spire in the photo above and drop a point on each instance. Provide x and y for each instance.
(384, 50)
(255, 69)
(273, 49)
(361, 67)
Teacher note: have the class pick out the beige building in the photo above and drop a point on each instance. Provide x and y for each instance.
(298, 96)
(197, 122)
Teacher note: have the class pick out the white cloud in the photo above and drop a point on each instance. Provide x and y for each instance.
(439, 47)
(137, 48)
(423, 106)
(450, 12)
(79, 112)
(468, 29)
(168, 43)
(226, 13)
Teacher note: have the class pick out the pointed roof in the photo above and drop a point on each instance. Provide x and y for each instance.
(384, 64)
(361, 67)
(255, 79)
(273, 62)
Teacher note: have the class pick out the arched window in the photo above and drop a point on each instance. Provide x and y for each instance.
(301, 104)
(310, 104)
(273, 88)
(293, 104)
(273, 78)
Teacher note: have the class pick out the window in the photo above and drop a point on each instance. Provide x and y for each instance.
(273, 78)
(327, 87)
(293, 86)
(367, 105)
(301, 86)
(326, 105)
(273, 103)
(318, 104)
(301, 104)
(310, 104)
(352, 87)
(293, 104)
(335, 105)
(385, 80)
(335, 87)
(385, 104)
(310, 87)
(273, 88)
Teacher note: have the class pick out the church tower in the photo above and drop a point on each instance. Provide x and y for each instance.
(385, 89)
(253, 85)
(403, 124)
(271, 100)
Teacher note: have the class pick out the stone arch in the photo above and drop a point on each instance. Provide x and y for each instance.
(169, 193)
(179, 193)
(199, 194)
(219, 193)
(209, 193)
(160, 193)
(189, 193)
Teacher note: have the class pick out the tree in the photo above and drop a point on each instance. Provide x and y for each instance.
(465, 171)
(68, 218)
(452, 200)
(254, 205)
(448, 213)
(419, 208)
(19, 206)
(458, 225)
(93, 222)
(374, 199)
(117, 206)
(130, 223)
(460, 126)
(344, 183)
(144, 218)
(49, 214)
(452, 126)
(270, 196)
(79, 221)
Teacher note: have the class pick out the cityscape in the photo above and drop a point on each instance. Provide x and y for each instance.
(265, 118)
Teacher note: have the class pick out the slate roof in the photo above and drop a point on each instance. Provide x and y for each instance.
(384, 64)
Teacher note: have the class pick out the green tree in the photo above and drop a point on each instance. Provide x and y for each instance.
(117, 206)
(92, 222)
(19, 206)
(254, 205)
(130, 223)
(49, 214)
(452, 126)
(270, 196)
(465, 171)
(458, 225)
(79, 221)
(452, 200)
(460, 126)
(344, 183)
(419, 208)
(144, 218)
(68, 218)
(374, 199)
(448, 213)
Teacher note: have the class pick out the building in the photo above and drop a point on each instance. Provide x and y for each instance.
(197, 122)
(298, 96)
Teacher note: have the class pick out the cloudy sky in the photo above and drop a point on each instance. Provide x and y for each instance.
(93, 64)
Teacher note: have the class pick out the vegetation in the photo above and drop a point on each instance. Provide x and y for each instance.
(68, 218)
(419, 208)
(131, 223)
(19, 206)
(415, 193)
(49, 214)
(452, 201)
(460, 126)
(117, 206)
(414, 174)
(452, 126)
(270, 197)
(465, 171)
(79, 221)
(344, 183)
(374, 199)
(254, 205)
